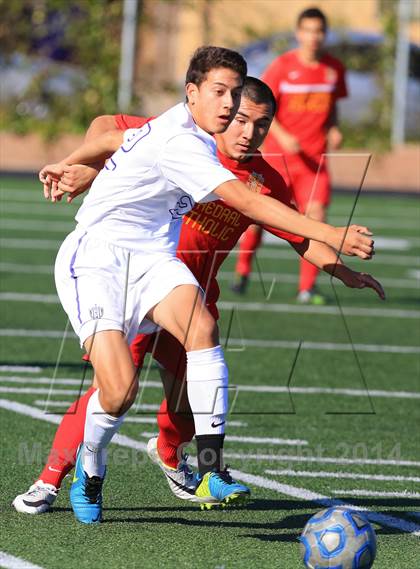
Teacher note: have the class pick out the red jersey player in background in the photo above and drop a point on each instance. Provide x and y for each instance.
(208, 234)
(307, 82)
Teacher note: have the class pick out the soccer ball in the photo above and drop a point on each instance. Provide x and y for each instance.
(339, 538)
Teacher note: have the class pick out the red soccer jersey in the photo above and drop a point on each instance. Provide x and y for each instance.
(211, 230)
(305, 96)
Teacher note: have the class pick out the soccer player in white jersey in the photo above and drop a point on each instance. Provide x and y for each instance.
(117, 272)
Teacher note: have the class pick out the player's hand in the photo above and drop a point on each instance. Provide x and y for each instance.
(290, 143)
(75, 180)
(49, 176)
(335, 138)
(354, 279)
(355, 240)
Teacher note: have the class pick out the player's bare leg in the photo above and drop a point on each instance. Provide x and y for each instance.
(117, 388)
(308, 273)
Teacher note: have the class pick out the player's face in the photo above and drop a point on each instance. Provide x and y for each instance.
(247, 131)
(311, 34)
(214, 103)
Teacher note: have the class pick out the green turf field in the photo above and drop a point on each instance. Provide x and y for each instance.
(338, 419)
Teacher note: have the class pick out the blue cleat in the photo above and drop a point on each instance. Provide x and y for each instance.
(86, 494)
(219, 489)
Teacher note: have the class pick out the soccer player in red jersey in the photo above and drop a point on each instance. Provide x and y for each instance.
(208, 234)
(307, 82)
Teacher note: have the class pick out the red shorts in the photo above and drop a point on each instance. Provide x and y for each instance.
(308, 177)
(165, 349)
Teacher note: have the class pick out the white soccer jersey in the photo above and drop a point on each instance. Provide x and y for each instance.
(137, 201)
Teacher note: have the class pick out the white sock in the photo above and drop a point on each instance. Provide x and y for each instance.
(99, 430)
(207, 385)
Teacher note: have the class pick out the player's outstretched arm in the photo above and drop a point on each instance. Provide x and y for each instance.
(326, 259)
(353, 240)
(100, 125)
(77, 178)
(96, 150)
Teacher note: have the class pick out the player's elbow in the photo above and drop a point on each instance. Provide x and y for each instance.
(100, 125)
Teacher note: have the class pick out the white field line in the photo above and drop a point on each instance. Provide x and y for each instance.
(378, 222)
(341, 475)
(329, 391)
(8, 561)
(41, 226)
(263, 253)
(251, 307)
(319, 459)
(319, 310)
(380, 259)
(362, 216)
(21, 369)
(300, 493)
(35, 195)
(288, 278)
(41, 209)
(27, 297)
(60, 381)
(45, 403)
(45, 244)
(243, 388)
(263, 440)
(39, 391)
(241, 343)
(304, 494)
(374, 494)
(414, 273)
(381, 243)
(22, 333)
(142, 420)
(42, 380)
(27, 269)
(386, 213)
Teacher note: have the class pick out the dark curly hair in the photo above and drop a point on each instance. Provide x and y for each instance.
(210, 57)
(311, 13)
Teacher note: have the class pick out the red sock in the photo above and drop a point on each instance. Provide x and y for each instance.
(307, 276)
(249, 243)
(139, 348)
(174, 430)
(67, 438)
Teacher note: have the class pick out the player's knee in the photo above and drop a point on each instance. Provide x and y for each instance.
(203, 335)
(118, 400)
(316, 211)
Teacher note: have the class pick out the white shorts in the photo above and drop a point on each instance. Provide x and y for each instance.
(105, 287)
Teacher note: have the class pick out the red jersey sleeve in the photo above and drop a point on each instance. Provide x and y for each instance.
(272, 76)
(123, 122)
(283, 193)
(341, 88)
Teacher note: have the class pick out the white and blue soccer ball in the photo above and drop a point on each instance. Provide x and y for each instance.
(338, 538)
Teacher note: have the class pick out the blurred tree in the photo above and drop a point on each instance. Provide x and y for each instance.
(72, 51)
(388, 11)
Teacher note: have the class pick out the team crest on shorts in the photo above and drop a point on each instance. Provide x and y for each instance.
(255, 182)
(96, 312)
